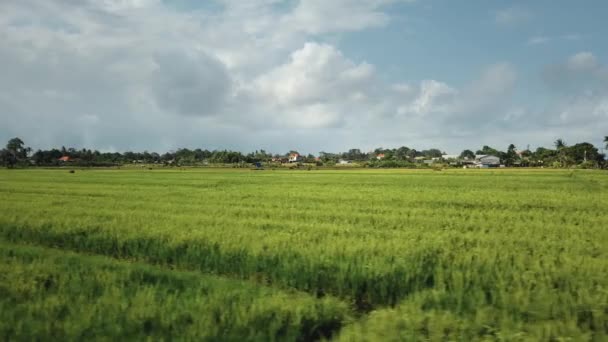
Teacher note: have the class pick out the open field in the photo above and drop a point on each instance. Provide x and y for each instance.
(371, 255)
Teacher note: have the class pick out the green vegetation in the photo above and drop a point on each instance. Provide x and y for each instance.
(413, 254)
(49, 294)
(581, 155)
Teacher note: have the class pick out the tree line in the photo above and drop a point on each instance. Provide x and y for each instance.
(17, 154)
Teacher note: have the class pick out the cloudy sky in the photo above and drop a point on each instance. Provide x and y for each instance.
(311, 75)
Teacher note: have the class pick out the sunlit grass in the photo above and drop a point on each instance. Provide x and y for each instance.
(504, 241)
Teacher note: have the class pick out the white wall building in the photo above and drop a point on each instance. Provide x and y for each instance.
(487, 161)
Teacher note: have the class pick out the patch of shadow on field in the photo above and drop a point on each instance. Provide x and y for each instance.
(53, 193)
(364, 286)
(312, 327)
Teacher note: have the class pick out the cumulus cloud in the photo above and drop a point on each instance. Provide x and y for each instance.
(582, 61)
(190, 84)
(315, 73)
(581, 71)
(493, 86)
(89, 71)
(314, 88)
(578, 99)
(432, 97)
(465, 106)
(243, 74)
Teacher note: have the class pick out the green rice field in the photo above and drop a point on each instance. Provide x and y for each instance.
(345, 255)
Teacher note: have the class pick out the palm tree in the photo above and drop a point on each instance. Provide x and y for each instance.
(560, 145)
(606, 141)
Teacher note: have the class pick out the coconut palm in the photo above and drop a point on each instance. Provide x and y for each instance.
(559, 144)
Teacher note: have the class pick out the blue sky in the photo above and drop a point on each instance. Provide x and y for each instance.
(309, 75)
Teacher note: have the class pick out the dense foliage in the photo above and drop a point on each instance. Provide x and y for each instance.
(584, 155)
(460, 254)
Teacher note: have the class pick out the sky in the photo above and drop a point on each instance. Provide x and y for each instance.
(306, 75)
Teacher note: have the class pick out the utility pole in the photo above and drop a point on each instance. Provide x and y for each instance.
(585, 159)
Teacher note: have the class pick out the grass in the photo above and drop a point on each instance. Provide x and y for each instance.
(503, 254)
(55, 295)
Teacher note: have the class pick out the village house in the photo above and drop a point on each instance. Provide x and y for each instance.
(484, 161)
(295, 158)
(380, 156)
(65, 159)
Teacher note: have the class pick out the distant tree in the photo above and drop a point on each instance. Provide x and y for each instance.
(525, 157)
(412, 154)
(544, 156)
(14, 153)
(560, 146)
(389, 154)
(526, 153)
(402, 153)
(432, 153)
(511, 155)
(583, 152)
(606, 141)
(354, 154)
(487, 150)
(467, 154)
(328, 157)
(6, 158)
(15, 145)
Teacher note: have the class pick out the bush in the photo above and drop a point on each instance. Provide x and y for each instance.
(589, 164)
(392, 164)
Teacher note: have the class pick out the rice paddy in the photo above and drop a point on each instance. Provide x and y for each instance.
(369, 255)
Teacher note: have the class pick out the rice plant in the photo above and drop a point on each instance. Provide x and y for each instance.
(528, 246)
(54, 295)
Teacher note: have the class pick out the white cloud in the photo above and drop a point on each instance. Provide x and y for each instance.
(578, 105)
(402, 88)
(466, 105)
(120, 6)
(190, 83)
(321, 16)
(496, 82)
(315, 73)
(579, 72)
(141, 74)
(512, 16)
(582, 61)
(314, 115)
(538, 40)
(314, 88)
(587, 110)
(541, 40)
(432, 97)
